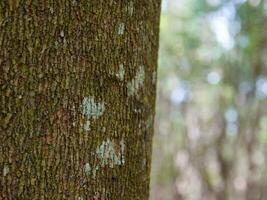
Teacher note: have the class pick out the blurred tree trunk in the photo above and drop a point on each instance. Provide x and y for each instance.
(77, 98)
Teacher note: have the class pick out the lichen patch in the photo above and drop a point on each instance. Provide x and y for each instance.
(121, 28)
(87, 169)
(121, 72)
(94, 171)
(130, 8)
(92, 109)
(86, 126)
(134, 85)
(5, 170)
(62, 34)
(110, 154)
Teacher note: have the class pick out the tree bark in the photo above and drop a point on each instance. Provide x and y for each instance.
(77, 98)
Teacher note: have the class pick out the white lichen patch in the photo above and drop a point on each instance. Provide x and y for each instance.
(121, 72)
(92, 109)
(5, 170)
(86, 126)
(122, 146)
(130, 8)
(94, 171)
(62, 34)
(137, 82)
(121, 28)
(110, 154)
(104, 129)
(87, 169)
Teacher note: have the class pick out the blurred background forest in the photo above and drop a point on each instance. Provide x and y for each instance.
(211, 125)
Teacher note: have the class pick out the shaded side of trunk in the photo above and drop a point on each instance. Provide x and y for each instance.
(77, 98)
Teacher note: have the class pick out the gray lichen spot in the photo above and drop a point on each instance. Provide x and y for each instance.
(111, 154)
(104, 129)
(51, 10)
(5, 170)
(130, 8)
(87, 169)
(137, 82)
(86, 126)
(121, 72)
(73, 124)
(94, 171)
(80, 198)
(92, 109)
(62, 33)
(122, 146)
(121, 28)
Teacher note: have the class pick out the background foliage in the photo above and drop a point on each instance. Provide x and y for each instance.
(211, 126)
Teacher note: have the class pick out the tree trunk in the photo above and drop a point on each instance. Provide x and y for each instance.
(77, 98)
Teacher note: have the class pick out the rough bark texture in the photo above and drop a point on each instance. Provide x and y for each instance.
(77, 98)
